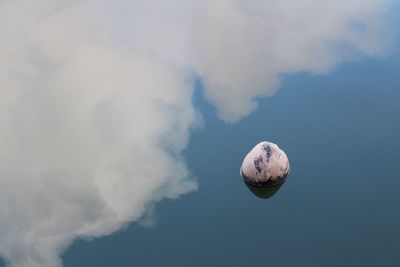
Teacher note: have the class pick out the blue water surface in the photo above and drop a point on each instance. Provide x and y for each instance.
(339, 207)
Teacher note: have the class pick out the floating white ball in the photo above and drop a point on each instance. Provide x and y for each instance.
(265, 165)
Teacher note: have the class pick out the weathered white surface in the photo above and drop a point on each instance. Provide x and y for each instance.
(266, 163)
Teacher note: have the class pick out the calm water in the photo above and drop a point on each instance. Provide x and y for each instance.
(339, 207)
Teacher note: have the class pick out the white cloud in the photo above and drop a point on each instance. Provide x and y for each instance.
(95, 99)
(243, 46)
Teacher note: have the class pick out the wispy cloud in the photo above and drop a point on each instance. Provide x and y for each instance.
(95, 99)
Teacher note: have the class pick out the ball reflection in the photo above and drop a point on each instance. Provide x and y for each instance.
(264, 192)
